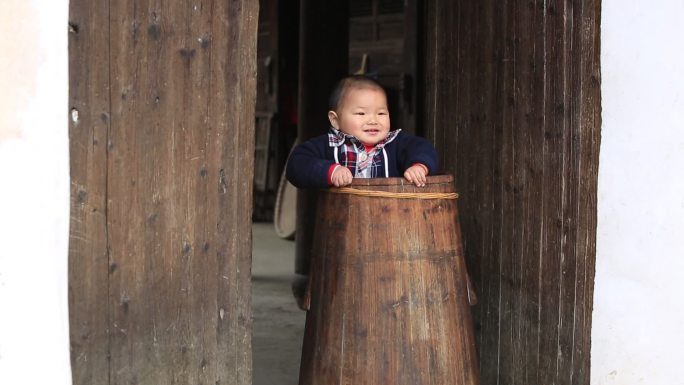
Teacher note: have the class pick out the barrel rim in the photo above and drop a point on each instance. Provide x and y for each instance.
(433, 179)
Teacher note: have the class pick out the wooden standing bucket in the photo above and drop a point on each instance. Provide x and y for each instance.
(389, 302)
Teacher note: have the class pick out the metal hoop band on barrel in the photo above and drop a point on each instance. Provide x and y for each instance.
(387, 194)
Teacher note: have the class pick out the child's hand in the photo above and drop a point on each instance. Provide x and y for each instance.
(341, 177)
(416, 174)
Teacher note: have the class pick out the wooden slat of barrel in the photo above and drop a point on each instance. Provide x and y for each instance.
(389, 302)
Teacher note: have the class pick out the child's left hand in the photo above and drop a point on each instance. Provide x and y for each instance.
(416, 174)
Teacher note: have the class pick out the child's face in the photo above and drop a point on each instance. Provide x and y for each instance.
(363, 113)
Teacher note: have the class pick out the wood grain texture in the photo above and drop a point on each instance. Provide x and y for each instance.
(176, 177)
(88, 242)
(389, 298)
(512, 101)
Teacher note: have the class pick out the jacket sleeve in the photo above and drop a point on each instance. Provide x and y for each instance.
(307, 166)
(414, 149)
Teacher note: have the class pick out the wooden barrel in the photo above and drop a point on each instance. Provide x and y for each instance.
(389, 299)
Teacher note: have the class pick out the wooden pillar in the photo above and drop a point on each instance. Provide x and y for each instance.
(324, 56)
(88, 245)
(513, 103)
(162, 137)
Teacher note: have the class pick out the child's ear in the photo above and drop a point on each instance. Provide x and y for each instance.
(332, 116)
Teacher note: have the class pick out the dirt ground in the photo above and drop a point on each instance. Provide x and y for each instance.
(278, 326)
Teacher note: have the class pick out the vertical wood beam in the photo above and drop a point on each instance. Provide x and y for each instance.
(174, 178)
(513, 104)
(89, 125)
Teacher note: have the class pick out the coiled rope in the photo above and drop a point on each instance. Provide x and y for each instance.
(396, 195)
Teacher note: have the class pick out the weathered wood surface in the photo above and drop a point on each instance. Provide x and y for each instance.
(162, 162)
(513, 103)
(89, 93)
(389, 299)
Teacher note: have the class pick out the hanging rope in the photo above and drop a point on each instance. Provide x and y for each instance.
(396, 195)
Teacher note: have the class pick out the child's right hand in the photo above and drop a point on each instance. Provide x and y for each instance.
(341, 177)
(416, 174)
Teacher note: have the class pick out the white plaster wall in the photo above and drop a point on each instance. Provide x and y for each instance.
(638, 321)
(34, 193)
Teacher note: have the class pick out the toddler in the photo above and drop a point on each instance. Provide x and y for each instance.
(359, 143)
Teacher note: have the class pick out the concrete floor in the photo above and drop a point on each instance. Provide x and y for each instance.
(278, 326)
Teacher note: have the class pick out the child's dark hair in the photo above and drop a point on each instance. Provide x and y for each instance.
(351, 81)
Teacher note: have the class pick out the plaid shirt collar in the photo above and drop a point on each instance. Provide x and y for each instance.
(337, 138)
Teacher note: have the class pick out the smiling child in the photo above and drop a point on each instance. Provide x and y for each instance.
(360, 143)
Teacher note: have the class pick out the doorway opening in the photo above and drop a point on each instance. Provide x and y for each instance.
(382, 44)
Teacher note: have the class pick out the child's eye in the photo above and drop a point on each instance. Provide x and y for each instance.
(359, 113)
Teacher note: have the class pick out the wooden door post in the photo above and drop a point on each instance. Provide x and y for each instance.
(513, 105)
(161, 163)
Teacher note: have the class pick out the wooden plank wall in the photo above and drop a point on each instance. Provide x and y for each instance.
(513, 104)
(161, 136)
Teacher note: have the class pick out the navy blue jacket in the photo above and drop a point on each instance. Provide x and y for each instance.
(309, 162)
